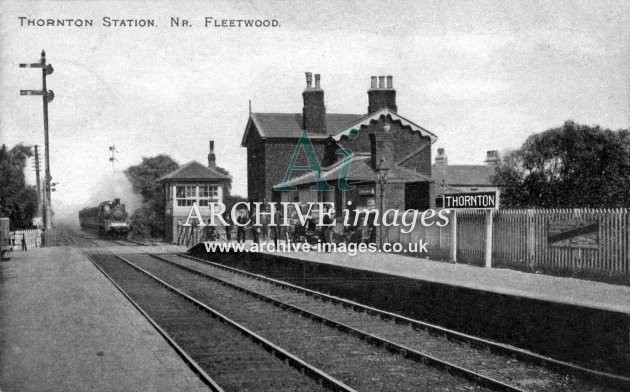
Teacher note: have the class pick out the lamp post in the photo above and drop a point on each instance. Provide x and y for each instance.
(382, 171)
(381, 175)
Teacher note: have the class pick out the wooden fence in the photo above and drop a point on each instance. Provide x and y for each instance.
(589, 242)
(577, 242)
(31, 237)
(191, 235)
(437, 238)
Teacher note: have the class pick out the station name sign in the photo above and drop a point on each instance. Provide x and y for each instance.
(476, 200)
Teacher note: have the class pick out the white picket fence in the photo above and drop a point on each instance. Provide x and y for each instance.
(523, 239)
(32, 238)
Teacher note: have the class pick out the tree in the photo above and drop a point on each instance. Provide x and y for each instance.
(574, 166)
(228, 184)
(149, 219)
(18, 201)
(144, 176)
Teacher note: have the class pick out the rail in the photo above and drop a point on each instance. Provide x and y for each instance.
(494, 347)
(375, 340)
(321, 377)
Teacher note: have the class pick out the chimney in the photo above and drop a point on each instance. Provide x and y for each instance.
(441, 163)
(492, 158)
(441, 159)
(314, 111)
(212, 159)
(382, 96)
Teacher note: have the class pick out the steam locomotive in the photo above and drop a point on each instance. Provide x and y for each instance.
(109, 218)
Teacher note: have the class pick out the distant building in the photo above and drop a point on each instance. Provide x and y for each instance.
(385, 142)
(193, 182)
(464, 178)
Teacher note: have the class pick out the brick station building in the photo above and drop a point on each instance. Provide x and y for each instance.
(385, 142)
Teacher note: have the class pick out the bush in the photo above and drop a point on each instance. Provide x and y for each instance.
(145, 224)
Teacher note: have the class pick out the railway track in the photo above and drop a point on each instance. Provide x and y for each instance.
(481, 363)
(361, 360)
(237, 358)
(81, 238)
(135, 242)
(422, 342)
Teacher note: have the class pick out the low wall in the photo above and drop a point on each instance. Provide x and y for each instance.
(594, 338)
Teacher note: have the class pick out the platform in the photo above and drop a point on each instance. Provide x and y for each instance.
(65, 327)
(578, 292)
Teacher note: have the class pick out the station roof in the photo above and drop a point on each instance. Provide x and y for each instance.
(365, 121)
(289, 125)
(194, 171)
(360, 171)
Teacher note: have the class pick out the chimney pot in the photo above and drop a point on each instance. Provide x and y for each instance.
(309, 79)
(382, 94)
(441, 160)
(314, 110)
(492, 157)
(212, 159)
(381, 82)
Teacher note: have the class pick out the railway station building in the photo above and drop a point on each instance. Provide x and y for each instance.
(193, 182)
(388, 152)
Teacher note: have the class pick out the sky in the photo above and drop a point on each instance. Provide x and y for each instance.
(480, 75)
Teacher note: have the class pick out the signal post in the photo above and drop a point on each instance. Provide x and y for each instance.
(47, 96)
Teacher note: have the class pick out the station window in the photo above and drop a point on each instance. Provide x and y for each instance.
(208, 193)
(203, 195)
(186, 195)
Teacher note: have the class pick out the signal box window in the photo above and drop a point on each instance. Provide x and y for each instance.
(207, 193)
(186, 195)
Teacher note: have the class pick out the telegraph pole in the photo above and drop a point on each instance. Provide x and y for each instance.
(47, 96)
(39, 184)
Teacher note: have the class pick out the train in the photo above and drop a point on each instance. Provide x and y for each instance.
(109, 218)
(5, 240)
